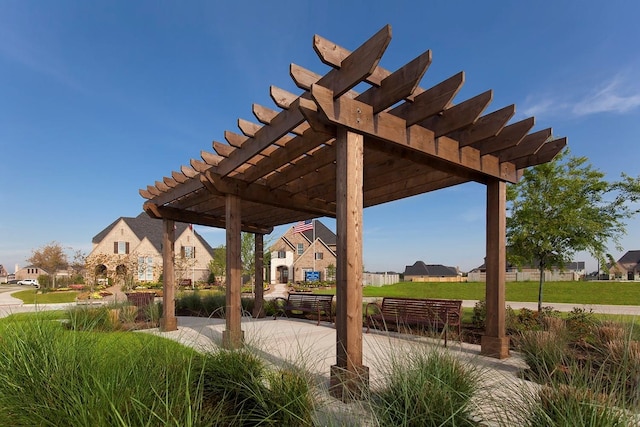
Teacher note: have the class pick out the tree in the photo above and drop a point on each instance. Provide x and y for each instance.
(218, 264)
(51, 258)
(78, 264)
(247, 254)
(565, 206)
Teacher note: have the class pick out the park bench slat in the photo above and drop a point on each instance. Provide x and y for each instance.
(304, 303)
(432, 313)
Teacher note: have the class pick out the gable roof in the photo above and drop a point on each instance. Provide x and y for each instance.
(327, 236)
(151, 228)
(631, 257)
(419, 268)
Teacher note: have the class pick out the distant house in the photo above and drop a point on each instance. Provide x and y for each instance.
(627, 267)
(304, 248)
(4, 275)
(129, 250)
(29, 272)
(530, 272)
(421, 272)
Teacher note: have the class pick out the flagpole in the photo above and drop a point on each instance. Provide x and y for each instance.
(313, 227)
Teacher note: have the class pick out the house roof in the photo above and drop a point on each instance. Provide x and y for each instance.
(433, 270)
(631, 257)
(151, 228)
(327, 236)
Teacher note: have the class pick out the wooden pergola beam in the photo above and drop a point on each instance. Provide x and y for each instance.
(357, 65)
(485, 127)
(398, 85)
(545, 154)
(509, 137)
(268, 196)
(529, 145)
(431, 101)
(459, 115)
(391, 129)
(190, 217)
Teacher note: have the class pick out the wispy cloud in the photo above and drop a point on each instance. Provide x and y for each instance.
(617, 95)
(17, 47)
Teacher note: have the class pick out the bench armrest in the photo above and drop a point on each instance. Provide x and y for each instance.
(377, 306)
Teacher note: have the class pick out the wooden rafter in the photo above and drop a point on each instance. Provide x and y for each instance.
(416, 140)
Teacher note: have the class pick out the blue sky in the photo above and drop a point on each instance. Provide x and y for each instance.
(99, 99)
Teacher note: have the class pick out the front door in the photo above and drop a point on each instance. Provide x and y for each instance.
(283, 274)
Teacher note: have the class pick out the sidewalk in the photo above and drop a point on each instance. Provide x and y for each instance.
(286, 342)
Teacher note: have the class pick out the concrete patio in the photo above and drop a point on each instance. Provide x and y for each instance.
(301, 343)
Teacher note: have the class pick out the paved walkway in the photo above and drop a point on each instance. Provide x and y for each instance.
(294, 342)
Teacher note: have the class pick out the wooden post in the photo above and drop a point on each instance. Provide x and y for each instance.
(168, 322)
(232, 337)
(349, 378)
(258, 307)
(495, 343)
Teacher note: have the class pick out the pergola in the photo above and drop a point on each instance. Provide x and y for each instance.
(333, 151)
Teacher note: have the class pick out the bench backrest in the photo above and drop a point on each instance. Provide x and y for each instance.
(438, 310)
(311, 301)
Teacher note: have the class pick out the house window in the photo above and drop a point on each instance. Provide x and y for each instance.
(318, 255)
(145, 268)
(282, 254)
(300, 248)
(120, 248)
(188, 251)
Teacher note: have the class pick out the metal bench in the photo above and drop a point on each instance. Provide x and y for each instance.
(429, 313)
(299, 304)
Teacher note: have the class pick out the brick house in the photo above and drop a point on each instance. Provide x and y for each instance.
(131, 249)
(627, 267)
(4, 275)
(297, 252)
(421, 272)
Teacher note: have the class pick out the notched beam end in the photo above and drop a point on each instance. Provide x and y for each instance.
(281, 97)
(263, 114)
(248, 128)
(199, 166)
(188, 171)
(210, 158)
(145, 194)
(328, 52)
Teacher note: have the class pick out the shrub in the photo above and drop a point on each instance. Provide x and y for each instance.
(83, 318)
(431, 389)
(574, 406)
(581, 324)
(241, 391)
(52, 377)
(480, 314)
(543, 351)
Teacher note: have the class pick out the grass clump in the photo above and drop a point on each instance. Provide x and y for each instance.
(50, 376)
(432, 389)
(589, 372)
(241, 391)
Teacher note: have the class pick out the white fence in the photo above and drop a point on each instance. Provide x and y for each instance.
(379, 279)
(529, 276)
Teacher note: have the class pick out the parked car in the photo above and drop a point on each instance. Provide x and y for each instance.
(31, 282)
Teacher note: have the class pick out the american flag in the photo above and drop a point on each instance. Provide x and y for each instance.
(302, 226)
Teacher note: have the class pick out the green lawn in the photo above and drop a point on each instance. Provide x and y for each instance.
(31, 297)
(603, 292)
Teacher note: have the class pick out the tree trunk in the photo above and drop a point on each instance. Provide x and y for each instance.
(540, 286)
